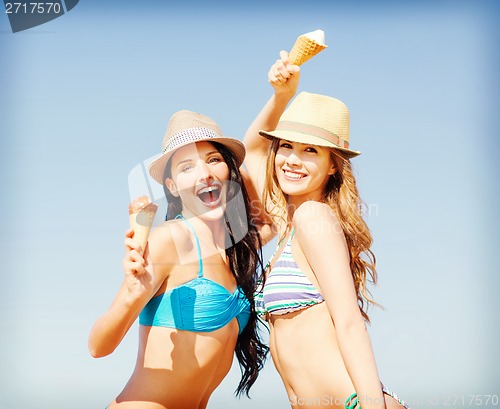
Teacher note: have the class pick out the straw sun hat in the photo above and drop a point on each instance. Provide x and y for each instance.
(317, 120)
(187, 127)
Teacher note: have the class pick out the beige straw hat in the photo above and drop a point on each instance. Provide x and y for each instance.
(317, 120)
(187, 127)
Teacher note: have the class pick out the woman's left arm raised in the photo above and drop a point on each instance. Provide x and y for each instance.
(321, 238)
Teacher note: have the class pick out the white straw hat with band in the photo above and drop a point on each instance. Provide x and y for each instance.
(316, 120)
(187, 127)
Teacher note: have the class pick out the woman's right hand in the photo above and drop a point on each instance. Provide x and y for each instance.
(140, 277)
(284, 76)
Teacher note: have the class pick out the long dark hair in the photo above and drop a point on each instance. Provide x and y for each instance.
(243, 248)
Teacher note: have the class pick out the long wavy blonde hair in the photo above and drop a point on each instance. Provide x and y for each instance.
(341, 194)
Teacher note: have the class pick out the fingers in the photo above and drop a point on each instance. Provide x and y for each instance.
(292, 68)
(279, 72)
(284, 56)
(282, 69)
(134, 263)
(133, 268)
(130, 243)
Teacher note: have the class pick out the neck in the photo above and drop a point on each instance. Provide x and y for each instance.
(215, 229)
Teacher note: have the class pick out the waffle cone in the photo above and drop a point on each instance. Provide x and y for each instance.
(304, 49)
(141, 220)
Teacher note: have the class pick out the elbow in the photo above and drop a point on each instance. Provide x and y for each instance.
(96, 350)
(266, 233)
(95, 353)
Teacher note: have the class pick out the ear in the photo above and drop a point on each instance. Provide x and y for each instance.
(332, 170)
(171, 186)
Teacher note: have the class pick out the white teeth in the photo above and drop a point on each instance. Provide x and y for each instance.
(293, 175)
(208, 189)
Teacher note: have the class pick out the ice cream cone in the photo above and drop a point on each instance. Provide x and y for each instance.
(142, 213)
(307, 46)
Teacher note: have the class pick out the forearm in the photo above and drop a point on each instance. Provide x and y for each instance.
(260, 218)
(284, 78)
(357, 352)
(111, 327)
(268, 117)
(266, 120)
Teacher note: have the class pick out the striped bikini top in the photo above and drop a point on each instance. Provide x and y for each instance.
(286, 288)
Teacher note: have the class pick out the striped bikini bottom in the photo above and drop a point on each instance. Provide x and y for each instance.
(352, 401)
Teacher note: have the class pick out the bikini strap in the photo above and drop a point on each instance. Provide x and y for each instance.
(279, 247)
(352, 401)
(198, 247)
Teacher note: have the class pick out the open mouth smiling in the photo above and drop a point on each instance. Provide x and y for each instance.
(210, 195)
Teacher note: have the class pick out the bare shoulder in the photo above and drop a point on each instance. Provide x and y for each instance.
(316, 221)
(313, 212)
(166, 240)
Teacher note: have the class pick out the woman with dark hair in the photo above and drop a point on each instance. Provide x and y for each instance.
(193, 288)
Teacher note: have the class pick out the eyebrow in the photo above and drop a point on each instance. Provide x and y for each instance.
(308, 145)
(206, 155)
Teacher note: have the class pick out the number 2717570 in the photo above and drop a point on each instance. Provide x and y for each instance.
(33, 8)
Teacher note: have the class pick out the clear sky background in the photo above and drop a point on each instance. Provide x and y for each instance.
(87, 97)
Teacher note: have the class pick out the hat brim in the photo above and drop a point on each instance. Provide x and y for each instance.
(307, 139)
(157, 167)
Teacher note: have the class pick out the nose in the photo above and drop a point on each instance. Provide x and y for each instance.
(293, 159)
(203, 172)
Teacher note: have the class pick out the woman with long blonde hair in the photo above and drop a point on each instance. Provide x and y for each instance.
(315, 292)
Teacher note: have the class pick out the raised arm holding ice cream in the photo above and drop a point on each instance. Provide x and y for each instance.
(284, 78)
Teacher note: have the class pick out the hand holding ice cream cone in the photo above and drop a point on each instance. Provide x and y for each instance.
(142, 213)
(284, 76)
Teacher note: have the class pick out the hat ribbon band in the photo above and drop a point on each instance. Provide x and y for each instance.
(313, 131)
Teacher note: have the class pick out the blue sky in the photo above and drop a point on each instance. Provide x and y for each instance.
(87, 97)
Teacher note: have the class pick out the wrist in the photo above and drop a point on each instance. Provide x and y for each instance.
(282, 98)
(134, 298)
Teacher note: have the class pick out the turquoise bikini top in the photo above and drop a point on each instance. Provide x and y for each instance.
(200, 305)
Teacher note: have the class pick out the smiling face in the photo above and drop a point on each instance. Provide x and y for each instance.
(198, 176)
(303, 170)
